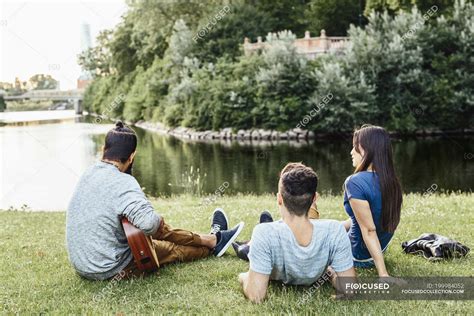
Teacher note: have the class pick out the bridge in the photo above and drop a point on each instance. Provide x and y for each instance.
(75, 96)
(309, 46)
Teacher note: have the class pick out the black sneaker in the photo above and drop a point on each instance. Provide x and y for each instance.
(219, 221)
(266, 217)
(242, 250)
(241, 242)
(226, 239)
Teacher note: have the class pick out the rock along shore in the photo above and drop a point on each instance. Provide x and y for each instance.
(296, 134)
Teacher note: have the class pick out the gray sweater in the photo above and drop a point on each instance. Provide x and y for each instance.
(96, 242)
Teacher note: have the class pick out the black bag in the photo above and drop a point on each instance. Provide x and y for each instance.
(435, 247)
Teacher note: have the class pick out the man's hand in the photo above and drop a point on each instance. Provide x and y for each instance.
(242, 276)
(254, 285)
(159, 231)
(339, 279)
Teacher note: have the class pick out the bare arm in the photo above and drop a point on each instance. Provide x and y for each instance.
(337, 282)
(254, 285)
(364, 218)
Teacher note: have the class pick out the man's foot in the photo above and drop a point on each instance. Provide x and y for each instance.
(266, 217)
(241, 242)
(226, 237)
(219, 221)
(242, 250)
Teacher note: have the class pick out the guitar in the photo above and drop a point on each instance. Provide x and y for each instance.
(142, 247)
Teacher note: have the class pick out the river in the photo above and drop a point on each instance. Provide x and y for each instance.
(43, 160)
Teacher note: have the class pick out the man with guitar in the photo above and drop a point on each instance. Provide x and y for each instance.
(108, 194)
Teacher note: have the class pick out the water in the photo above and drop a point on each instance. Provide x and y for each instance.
(41, 163)
(32, 117)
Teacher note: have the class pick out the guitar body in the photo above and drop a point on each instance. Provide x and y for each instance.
(142, 247)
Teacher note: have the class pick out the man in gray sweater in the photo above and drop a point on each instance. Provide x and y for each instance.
(107, 191)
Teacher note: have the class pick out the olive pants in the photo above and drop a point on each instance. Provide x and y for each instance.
(172, 245)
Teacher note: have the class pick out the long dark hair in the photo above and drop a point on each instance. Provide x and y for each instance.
(375, 142)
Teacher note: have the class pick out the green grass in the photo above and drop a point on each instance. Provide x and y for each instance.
(35, 276)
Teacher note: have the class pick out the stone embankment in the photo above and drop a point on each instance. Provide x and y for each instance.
(296, 134)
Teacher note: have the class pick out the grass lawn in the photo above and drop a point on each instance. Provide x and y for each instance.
(36, 277)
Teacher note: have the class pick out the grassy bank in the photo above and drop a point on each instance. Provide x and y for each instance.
(36, 276)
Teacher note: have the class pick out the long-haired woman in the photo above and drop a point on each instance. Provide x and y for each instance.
(372, 198)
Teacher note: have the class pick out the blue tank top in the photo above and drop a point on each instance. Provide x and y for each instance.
(364, 185)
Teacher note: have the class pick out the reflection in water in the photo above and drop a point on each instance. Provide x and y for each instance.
(161, 162)
(41, 163)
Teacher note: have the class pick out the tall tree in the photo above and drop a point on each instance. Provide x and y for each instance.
(334, 16)
(223, 33)
(287, 14)
(96, 60)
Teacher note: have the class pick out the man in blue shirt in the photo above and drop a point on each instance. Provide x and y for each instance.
(296, 250)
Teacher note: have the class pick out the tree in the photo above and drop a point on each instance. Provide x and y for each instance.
(153, 23)
(448, 60)
(394, 6)
(227, 31)
(41, 81)
(391, 6)
(96, 60)
(334, 16)
(392, 63)
(124, 56)
(3, 105)
(286, 14)
(285, 83)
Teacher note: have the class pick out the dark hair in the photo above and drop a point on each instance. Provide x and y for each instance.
(291, 166)
(298, 184)
(120, 143)
(375, 142)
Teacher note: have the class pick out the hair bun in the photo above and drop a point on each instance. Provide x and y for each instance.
(119, 124)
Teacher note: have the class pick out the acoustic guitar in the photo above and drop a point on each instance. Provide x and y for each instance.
(142, 247)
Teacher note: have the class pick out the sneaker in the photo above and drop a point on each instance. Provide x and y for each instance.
(266, 217)
(242, 250)
(219, 221)
(241, 242)
(226, 239)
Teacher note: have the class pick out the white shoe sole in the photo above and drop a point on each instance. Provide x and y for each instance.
(231, 240)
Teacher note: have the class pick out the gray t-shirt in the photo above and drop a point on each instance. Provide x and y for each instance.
(96, 242)
(274, 251)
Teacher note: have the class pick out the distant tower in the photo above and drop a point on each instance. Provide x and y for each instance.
(85, 77)
(85, 37)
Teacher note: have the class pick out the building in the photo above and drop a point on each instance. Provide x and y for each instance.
(308, 46)
(85, 78)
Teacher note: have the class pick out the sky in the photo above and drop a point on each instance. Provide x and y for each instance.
(45, 36)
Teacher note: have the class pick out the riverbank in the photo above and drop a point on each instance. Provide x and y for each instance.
(37, 278)
(296, 134)
(258, 135)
